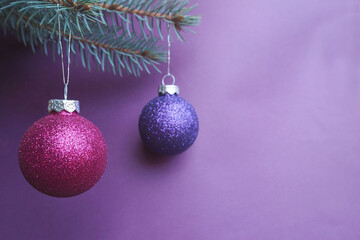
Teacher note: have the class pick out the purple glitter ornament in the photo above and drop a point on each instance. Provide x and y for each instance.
(63, 154)
(168, 124)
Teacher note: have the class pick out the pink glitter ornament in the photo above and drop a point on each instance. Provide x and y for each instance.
(63, 154)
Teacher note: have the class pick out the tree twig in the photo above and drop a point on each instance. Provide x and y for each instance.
(146, 54)
(176, 19)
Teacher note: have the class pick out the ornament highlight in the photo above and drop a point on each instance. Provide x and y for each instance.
(63, 154)
(168, 124)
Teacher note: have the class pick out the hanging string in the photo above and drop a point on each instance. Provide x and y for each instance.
(65, 81)
(168, 57)
(169, 52)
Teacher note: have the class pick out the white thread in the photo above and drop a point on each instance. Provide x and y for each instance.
(169, 52)
(168, 58)
(66, 82)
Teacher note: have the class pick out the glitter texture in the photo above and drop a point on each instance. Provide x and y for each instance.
(63, 154)
(168, 125)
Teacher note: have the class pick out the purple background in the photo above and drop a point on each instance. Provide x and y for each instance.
(276, 87)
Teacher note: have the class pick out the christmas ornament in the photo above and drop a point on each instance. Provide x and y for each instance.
(168, 124)
(63, 154)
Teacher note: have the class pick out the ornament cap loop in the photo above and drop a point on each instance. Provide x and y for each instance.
(168, 75)
(59, 105)
(170, 89)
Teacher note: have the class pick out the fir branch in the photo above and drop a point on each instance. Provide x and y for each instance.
(102, 30)
(176, 18)
(124, 11)
(133, 54)
(145, 54)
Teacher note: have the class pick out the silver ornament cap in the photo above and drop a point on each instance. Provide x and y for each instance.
(170, 89)
(59, 105)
